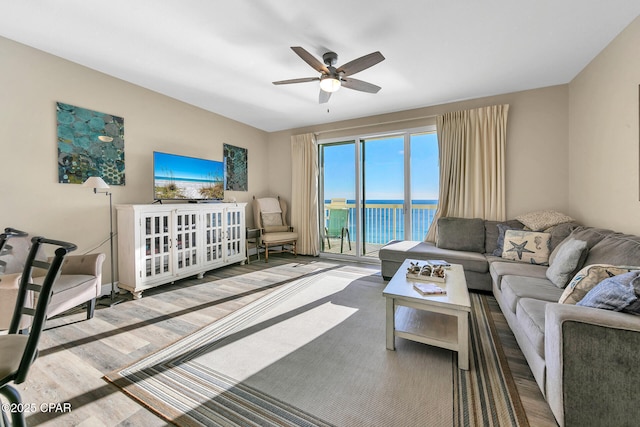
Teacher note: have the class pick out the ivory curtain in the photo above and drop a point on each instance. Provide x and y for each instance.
(304, 193)
(471, 145)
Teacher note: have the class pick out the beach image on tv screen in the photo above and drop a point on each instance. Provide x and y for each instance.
(179, 177)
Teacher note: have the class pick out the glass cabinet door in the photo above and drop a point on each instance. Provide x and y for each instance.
(186, 245)
(234, 233)
(157, 240)
(213, 235)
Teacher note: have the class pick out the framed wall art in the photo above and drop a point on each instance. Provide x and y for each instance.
(90, 143)
(235, 168)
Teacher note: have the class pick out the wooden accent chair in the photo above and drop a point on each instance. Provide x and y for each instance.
(270, 217)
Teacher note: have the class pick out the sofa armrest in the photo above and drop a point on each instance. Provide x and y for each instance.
(592, 361)
(90, 264)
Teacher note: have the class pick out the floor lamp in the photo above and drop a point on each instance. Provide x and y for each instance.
(95, 183)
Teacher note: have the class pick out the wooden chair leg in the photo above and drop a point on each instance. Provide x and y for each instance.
(91, 308)
(266, 253)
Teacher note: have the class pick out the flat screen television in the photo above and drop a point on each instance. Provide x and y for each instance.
(178, 177)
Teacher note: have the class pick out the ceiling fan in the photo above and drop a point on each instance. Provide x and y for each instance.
(332, 78)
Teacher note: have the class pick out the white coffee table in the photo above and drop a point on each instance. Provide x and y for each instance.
(438, 320)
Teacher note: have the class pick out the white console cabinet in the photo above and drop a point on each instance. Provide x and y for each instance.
(158, 243)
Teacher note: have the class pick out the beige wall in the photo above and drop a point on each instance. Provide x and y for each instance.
(603, 143)
(537, 134)
(32, 199)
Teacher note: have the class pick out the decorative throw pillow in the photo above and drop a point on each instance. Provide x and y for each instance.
(492, 233)
(617, 293)
(587, 279)
(276, 228)
(271, 219)
(526, 246)
(541, 220)
(567, 261)
(502, 229)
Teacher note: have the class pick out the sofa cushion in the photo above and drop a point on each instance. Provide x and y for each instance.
(492, 234)
(516, 287)
(559, 233)
(526, 246)
(541, 220)
(399, 250)
(591, 235)
(530, 313)
(587, 279)
(617, 249)
(567, 262)
(618, 293)
(461, 234)
(499, 269)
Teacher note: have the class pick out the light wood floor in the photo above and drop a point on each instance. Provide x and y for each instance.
(75, 353)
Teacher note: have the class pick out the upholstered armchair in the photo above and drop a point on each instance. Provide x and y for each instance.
(80, 281)
(270, 217)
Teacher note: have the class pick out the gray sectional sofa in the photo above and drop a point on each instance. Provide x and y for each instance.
(585, 360)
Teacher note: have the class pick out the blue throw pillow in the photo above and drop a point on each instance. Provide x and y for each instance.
(617, 293)
(502, 228)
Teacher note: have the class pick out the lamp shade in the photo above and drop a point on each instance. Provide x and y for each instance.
(95, 182)
(329, 84)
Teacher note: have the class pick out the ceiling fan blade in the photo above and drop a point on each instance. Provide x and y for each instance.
(310, 59)
(302, 80)
(356, 84)
(324, 97)
(361, 63)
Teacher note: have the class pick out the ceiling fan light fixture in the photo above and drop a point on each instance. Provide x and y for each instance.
(329, 84)
(332, 78)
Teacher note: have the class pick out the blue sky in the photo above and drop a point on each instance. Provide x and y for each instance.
(384, 176)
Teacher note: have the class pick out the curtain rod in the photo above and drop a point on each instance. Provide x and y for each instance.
(375, 124)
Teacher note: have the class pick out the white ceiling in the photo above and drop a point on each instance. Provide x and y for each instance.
(223, 55)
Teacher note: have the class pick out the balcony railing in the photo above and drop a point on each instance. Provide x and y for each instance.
(385, 221)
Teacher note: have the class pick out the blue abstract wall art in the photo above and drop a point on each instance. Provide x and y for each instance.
(235, 167)
(90, 143)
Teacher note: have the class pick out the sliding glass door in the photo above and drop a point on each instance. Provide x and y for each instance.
(376, 189)
(383, 194)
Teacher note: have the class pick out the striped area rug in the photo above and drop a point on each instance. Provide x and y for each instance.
(312, 353)
(486, 395)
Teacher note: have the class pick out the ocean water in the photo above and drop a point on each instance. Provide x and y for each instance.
(386, 222)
